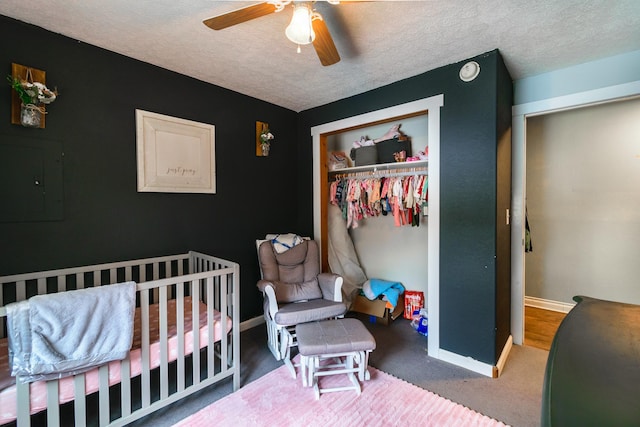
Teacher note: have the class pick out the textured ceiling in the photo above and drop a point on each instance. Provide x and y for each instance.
(380, 42)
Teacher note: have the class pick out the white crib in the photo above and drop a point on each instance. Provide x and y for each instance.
(169, 361)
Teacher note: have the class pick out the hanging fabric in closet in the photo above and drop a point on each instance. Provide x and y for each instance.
(342, 256)
(404, 197)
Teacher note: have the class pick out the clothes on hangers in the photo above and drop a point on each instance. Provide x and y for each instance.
(404, 197)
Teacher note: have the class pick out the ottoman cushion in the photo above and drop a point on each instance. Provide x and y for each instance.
(333, 336)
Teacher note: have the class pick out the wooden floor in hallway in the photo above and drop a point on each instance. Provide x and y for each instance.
(540, 326)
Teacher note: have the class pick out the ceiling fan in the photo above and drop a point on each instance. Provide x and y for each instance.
(307, 25)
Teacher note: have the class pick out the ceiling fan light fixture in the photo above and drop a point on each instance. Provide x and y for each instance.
(300, 30)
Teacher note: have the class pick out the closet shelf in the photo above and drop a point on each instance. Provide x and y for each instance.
(408, 168)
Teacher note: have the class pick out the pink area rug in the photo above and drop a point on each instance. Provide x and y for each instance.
(277, 399)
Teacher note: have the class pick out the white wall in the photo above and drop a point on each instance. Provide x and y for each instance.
(599, 81)
(583, 201)
(386, 251)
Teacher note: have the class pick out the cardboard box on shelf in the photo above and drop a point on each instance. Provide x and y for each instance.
(378, 309)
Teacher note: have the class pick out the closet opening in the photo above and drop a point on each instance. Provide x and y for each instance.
(379, 243)
(374, 237)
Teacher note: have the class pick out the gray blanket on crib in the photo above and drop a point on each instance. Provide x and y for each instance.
(61, 334)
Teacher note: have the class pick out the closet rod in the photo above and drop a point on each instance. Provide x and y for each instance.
(380, 173)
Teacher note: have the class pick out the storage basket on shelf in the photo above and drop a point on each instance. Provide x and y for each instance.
(388, 147)
(364, 156)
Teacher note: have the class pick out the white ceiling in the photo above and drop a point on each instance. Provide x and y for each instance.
(380, 42)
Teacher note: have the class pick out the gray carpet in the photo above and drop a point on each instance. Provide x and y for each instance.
(514, 398)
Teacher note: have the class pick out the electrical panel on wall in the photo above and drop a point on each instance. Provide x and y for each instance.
(31, 180)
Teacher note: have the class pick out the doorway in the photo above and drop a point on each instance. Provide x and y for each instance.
(583, 208)
(524, 118)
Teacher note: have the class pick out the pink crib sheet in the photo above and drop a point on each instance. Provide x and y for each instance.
(38, 391)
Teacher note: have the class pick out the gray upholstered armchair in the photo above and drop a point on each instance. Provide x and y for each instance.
(295, 291)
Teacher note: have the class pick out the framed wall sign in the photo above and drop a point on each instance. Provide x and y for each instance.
(174, 155)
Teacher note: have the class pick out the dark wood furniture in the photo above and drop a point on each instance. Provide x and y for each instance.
(593, 370)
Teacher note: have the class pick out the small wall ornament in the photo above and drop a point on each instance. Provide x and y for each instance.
(29, 97)
(263, 139)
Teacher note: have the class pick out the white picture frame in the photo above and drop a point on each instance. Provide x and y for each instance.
(174, 155)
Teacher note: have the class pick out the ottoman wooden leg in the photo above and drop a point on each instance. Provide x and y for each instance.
(303, 370)
(344, 345)
(364, 366)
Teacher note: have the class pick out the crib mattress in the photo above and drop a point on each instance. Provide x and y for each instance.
(66, 385)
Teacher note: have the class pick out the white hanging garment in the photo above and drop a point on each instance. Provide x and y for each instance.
(342, 256)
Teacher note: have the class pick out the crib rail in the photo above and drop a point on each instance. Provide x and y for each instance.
(189, 360)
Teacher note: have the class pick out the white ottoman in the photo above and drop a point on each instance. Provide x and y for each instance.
(347, 342)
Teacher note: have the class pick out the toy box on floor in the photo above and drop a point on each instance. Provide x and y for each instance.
(377, 309)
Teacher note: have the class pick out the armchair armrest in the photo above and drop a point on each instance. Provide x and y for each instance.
(269, 292)
(331, 286)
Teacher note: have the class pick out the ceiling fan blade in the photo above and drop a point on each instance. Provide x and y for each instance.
(239, 16)
(323, 44)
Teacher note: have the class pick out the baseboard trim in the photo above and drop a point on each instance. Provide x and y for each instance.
(251, 323)
(467, 363)
(562, 307)
(503, 357)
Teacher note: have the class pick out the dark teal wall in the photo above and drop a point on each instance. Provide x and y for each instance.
(469, 162)
(105, 218)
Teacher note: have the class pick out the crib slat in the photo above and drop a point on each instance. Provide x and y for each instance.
(103, 394)
(80, 281)
(223, 327)
(21, 290)
(42, 286)
(235, 315)
(211, 366)
(146, 377)
(164, 357)
(125, 387)
(170, 269)
(22, 397)
(195, 310)
(53, 409)
(142, 273)
(180, 332)
(62, 283)
(113, 276)
(80, 404)
(192, 266)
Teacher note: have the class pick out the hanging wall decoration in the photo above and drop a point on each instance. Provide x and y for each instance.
(175, 155)
(29, 97)
(264, 137)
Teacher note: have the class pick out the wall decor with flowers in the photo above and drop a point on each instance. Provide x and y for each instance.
(264, 138)
(29, 96)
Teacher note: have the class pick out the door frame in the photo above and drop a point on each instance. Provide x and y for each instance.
(520, 113)
(431, 107)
